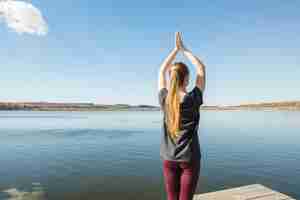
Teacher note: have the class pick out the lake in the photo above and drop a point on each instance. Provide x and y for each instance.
(115, 155)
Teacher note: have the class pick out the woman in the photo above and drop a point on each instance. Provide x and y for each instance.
(180, 149)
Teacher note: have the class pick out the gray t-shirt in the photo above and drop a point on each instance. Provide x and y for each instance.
(187, 144)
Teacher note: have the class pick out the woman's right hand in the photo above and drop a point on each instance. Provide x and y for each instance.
(179, 43)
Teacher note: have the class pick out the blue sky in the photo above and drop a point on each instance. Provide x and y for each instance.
(110, 51)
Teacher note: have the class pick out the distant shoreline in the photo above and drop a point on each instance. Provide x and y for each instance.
(284, 105)
(51, 106)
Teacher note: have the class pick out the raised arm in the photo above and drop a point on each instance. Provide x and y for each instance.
(167, 63)
(200, 67)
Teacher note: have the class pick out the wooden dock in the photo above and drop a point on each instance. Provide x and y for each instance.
(248, 192)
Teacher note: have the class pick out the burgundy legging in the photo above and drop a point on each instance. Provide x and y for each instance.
(181, 179)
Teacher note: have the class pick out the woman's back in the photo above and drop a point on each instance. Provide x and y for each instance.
(186, 144)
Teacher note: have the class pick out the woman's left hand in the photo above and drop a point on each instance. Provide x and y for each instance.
(179, 43)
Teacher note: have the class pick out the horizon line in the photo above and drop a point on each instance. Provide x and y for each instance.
(93, 103)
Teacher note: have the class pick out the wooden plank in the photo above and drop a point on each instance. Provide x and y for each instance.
(248, 192)
(273, 197)
(228, 193)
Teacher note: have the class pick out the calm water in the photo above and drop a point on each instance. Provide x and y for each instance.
(108, 155)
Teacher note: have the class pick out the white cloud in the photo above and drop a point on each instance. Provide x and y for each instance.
(23, 17)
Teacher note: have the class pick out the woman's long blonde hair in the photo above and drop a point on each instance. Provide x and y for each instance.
(178, 73)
